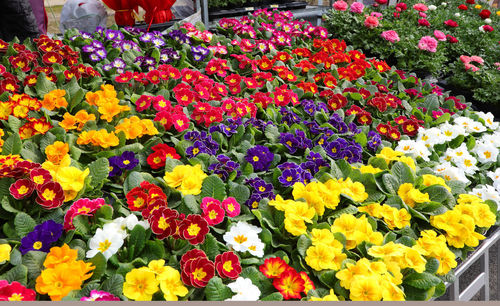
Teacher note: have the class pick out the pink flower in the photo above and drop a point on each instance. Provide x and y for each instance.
(231, 206)
(371, 22)
(213, 214)
(477, 59)
(487, 28)
(401, 7)
(391, 36)
(498, 65)
(424, 23)
(428, 43)
(439, 35)
(465, 59)
(451, 23)
(96, 295)
(422, 14)
(357, 7)
(207, 201)
(376, 14)
(340, 5)
(420, 7)
(472, 67)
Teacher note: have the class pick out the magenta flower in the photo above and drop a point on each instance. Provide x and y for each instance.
(340, 5)
(428, 43)
(391, 36)
(357, 7)
(96, 295)
(439, 35)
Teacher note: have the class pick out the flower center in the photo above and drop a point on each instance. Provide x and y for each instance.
(16, 297)
(228, 266)
(162, 223)
(126, 162)
(58, 284)
(39, 180)
(212, 214)
(37, 245)
(230, 207)
(104, 246)
(48, 194)
(199, 274)
(255, 158)
(193, 229)
(84, 209)
(23, 190)
(240, 239)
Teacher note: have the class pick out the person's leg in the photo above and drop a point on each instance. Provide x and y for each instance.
(17, 20)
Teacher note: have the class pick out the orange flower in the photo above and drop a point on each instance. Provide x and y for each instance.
(60, 255)
(273, 267)
(134, 127)
(55, 99)
(5, 110)
(83, 117)
(68, 123)
(290, 284)
(86, 137)
(308, 284)
(105, 140)
(56, 151)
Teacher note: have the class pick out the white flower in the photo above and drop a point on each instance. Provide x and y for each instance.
(487, 21)
(450, 132)
(244, 237)
(108, 243)
(477, 127)
(466, 123)
(487, 192)
(450, 172)
(116, 226)
(131, 221)
(245, 290)
(431, 136)
(495, 176)
(432, 7)
(493, 139)
(485, 152)
(444, 3)
(406, 146)
(457, 14)
(455, 155)
(489, 120)
(467, 163)
(481, 29)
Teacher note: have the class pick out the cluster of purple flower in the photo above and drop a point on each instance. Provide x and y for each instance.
(262, 190)
(375, 140)
(202, 143)
(117, 63)
(168, 55)
(224, 167)
(154, 38)
(118, 164)
(289, 117)
(96, 51)
(199, 53)
(179, 37)
(146, 62)
(310, 107)
(42, 237)
(297, 141)
(229, 129)
(293, 173)
(340, 148)
(260, 158)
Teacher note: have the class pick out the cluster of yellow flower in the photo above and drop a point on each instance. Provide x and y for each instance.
(186, 179)
(460, 222)
(296, 214)
(389, 155)
(320, 195)
(325, 252)
(135, 127)
(430, 180)
(63, 273)
(356, 230)
(58, 163)
(54, 99)
(411, 196)
(431, 244)
(140, 284)
(108, 105)
(101, 138)
(392, 216)
(77, 121)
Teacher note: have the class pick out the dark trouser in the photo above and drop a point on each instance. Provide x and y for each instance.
(17, 20)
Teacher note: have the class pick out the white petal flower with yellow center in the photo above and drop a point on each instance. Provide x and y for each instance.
(105, 242)
(244, 237)
(245, 290)
(485, 152)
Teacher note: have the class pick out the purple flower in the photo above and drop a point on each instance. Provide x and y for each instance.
(309, 107)
(88, 49)
(158, 42)
(197, 148)
(253, 201)
(199, 53)
(374, 143)
(288, 165)
(127, 161)
(41, 238)
(107, 67)
(94, 57)
(353, 128)
(261, 187)
(114, 35)
(353, 153)
(86, 35)
(289, 141)
(192, 135)
(96, 295)
(334, 149)
(97, 44)
(259, 157)
(119, 63)
(289, 177)
(128, 45)
(146, 37)
(115, 170)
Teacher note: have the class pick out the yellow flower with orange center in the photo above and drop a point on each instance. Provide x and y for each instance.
(56, 151)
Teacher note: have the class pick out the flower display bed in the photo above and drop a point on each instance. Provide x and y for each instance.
(265, 161)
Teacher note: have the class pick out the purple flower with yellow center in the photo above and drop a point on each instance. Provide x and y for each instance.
(353, 128)
(199, 53)
(114, 169)
(41, 238)
(197, 148)
(97, 44)
(341, 127)
(149, 61)
(374, 143)
(313, 127)
(262, 187)
(309, 166)
(259, 157)
(119, 63)
(288, 165)
(158, 42)
(192, 135)
(289, 141)
(86, 35)
(94, 57)
(127, 161)
(107, 67)
(352, 153)
(322, 139)
(289, 177)
(146, 37)
(253, 201)
(334, 149)
(88, 49)
(114, 35)
(309, 107)
(306, 177)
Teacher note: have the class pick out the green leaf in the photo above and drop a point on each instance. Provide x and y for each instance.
(14, 124)
(99, 171)
(390, 183)
(134, 179)
(33, 260)
(81, 224)
(361, 139)
(437, 193)
(136, 241)
(422, 280)
(18, 273)
(12, 145)
(240, 192)
(432, 265)
(403, 173)
(328, 278)
(217, 291)
(191, 203)
(113, 285)
(104, 212)
(276, 296)
(213, 187)
(6, 205)
(43, 85)
(24, 224)
(272, 133)
(210, 246)
(99, 262)
(303, 244)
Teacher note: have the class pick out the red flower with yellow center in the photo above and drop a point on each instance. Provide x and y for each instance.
(15, 292)
(394, 134)
(364, 118)
(181, 122)
(228, 265)
(50, 195)
(194, 229)
(290, 284)
(40, 176)
(273, 267)
(22, 189)
(308, 284)
(163, 222)
(383, 129)
(137, 199)
(51, 58)
(213, 214)
(196, 268)
(410, 127)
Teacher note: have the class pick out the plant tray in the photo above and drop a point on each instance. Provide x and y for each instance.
(238, 11)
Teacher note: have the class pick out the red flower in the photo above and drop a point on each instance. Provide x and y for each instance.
(191, 255)
(153, 206)
(487, 28)
(8, 84)
(364, 118)
(231, 206)
(163, 222)
(137, 199)
(21, 63)
(15, 292)
(213, 214)
(40, 176)
(265, 64)
(424, 23)
(394, 134)
(463, 7)
(143, 103)
(156, 160)
(83, 206)
(290, 284)
(196, 268)
(485, 14)
(273, 267)
(354, 110)
(470, 2)
(51, 58)
(50, 195)
(308, 284)
(22, 189)
(451, 23)
(337, 101)
(451, 39)
(228, 265)
(153, 77)
(410, 127)
(124, 77)
(193, 229)
(180, 121)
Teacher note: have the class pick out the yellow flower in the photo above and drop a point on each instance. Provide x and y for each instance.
(409, 161)
(468, 199)
(5, 252)
(187, 178)
(295, 225)
(388, 154)
(498, 13)
(478, 6)
(171, 284)
(369, 169)
(72, 181)
(391, 292)
(54, 168)
(413, 259)
(279, 203)
(366, 288)
(328, 297)
(323, 257)
(324, 236)
(355, 190)
(483, 217)
(140, 284)
(430, 180)
(389, 249)
(374, 210)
